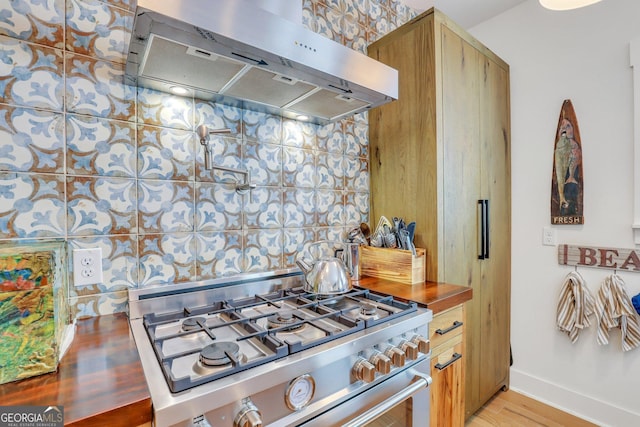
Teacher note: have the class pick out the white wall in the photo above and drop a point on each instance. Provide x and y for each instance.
(582, 55)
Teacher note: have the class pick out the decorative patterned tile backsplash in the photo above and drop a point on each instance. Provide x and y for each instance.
(102, 164)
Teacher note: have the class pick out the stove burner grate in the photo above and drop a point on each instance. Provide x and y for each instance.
(220, 354)
(368, 309)
(193, 323)
(328, 319)
(285, 321)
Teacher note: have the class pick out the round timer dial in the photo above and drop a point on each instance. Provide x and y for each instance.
(300, 392)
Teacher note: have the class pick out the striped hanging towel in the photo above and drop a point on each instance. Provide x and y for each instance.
(575, 305)
(614, 310)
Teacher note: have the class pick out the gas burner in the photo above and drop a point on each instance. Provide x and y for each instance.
(283, 319)
(192, 323)
(368, 310)
(219, 353)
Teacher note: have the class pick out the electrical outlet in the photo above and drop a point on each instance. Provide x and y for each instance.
(548, 236)
(87, 266)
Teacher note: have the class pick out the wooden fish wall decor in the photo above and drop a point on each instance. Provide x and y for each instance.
(567, 186)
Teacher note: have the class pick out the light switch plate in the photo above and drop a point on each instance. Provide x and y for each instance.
(87, 266)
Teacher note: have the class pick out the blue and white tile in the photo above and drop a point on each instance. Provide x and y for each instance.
(124, 4)
(31, 140)
(319, 23)
(361, 10)
(163, 109)
(119, 261)
(330, 206)
(263, 208)
(264, 162)
(378, 18)
(97, 146)
(219, 254)
(98, 29)
(98, 206)
(331, 137)
(84, 307)
(262, 127)
(330, 171)
(165, 206)
(31, 205)
(308, 15)
(299, 207)
(263, 250)
(335, 233)
(356, 173)
(218, 207)
(298, 168)
(356, 139)
(298, 134)
(356, 208)
(332, 15)
(225, 152)
(357, 38)
(40, 22)
(31, 75)
(96, 88)
(167, 258)
(296, 240)
(219, 116)
(165, 153)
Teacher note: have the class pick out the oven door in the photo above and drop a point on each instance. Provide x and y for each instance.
(400, 401)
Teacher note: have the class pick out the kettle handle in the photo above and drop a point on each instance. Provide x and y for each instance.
(315, 247)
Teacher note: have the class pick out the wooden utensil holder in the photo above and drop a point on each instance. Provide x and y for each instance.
(397, 265)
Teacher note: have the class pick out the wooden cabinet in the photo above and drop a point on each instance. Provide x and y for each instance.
(447, 368)
(440, 156)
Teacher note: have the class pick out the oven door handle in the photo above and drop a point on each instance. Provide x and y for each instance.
(419, 383)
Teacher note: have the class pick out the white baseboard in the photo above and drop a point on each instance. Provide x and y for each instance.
(585, 407)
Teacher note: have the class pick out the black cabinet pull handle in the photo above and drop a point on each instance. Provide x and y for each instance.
(442, 366)
(484, 229)
(455, 325)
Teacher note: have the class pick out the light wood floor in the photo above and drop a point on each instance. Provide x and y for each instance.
(508, 408)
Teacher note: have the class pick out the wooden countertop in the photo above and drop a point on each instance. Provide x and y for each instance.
(99, 380)
(436, 296)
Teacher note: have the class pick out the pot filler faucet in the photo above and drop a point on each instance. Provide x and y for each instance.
(203, 133)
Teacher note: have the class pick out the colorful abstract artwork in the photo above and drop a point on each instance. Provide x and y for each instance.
(32, 311)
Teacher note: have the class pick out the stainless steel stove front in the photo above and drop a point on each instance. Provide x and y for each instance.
(334, 383)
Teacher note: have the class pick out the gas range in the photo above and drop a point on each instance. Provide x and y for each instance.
(259, 350)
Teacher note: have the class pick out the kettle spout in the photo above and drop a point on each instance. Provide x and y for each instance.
(306, 268)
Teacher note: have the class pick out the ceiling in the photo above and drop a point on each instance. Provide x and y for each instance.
(467, 13)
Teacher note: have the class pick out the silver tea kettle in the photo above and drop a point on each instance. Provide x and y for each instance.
(326, 273)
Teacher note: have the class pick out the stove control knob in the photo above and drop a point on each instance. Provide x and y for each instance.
(410, 350)
(381, 362)
(423, 344)
(363, 370)
(249, 416)
(396, 355)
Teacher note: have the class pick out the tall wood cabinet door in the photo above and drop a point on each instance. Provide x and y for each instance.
(402, 137)
(495, 294)
(462, 167)
(461, 159)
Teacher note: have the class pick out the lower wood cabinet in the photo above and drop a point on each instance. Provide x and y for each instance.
(446, 332)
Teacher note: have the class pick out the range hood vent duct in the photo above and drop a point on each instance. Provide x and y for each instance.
(232, 52)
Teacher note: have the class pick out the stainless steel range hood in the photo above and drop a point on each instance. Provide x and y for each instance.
(233, 52)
